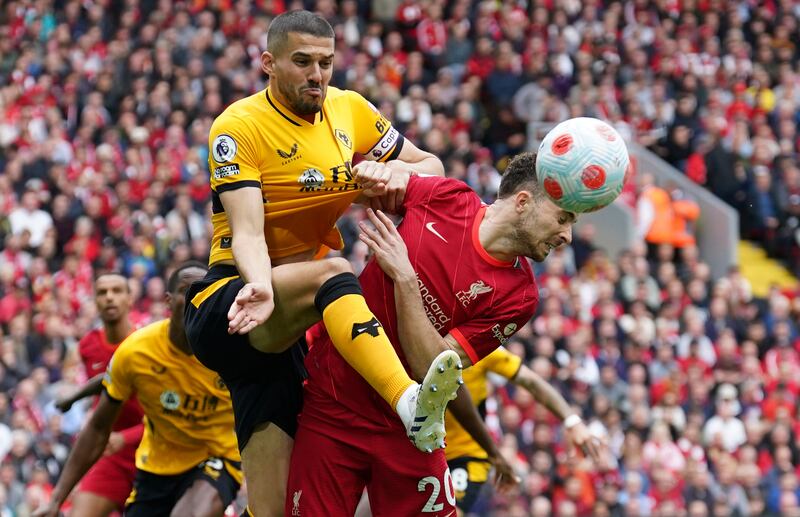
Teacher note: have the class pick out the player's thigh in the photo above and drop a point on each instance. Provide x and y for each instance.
(265, 459)
(153, 495)
(469, 475)
(295, 287)
(206, 490)
(407, 482)
(105, 487)
(328, 473)
(200, 500)
(89, 504)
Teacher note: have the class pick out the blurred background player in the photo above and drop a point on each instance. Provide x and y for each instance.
(281, 175)
(106, 485)
(468, 461)
(188, 462)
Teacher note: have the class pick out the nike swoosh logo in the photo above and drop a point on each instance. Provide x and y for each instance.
(431, 229)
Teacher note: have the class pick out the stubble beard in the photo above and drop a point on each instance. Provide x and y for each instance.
(298, 105)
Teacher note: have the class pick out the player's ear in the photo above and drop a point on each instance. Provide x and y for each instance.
(267, 62)
(523, 200)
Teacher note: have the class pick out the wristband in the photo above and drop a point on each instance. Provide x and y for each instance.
(571, 421)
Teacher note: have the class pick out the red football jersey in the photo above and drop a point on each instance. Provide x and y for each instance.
(96, 353)
(478, 299)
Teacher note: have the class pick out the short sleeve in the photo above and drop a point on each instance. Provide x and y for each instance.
(375, 137)
(502, 362)
(232, 156)
(479, 337)
(118, 380)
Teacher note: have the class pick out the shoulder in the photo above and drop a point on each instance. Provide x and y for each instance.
(436, 188)
(90, 340)
(246, 105)
(240, 114)
(336, 95)
(354, 100)
(143, 338)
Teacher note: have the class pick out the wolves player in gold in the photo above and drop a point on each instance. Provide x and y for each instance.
(188, 462)
(282, 173)
(468, 461)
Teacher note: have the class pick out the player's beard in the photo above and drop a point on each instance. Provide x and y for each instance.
(527, 244)
(298, 103)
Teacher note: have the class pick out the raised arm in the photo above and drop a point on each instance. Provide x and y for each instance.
(577, 432)
(413, 158)
(87, 449)
(93, 386)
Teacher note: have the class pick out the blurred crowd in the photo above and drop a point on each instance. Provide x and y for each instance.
(105, 107)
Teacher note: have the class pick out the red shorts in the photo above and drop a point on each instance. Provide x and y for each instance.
(331, 466)
(111, 477)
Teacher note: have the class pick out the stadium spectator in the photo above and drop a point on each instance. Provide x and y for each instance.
(104, 116)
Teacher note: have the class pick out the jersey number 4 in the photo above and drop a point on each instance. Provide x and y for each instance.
(432, 506)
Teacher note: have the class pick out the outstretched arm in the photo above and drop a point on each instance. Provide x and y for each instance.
(88, 448)
(577, 432)
(93, 387)
(414, 158)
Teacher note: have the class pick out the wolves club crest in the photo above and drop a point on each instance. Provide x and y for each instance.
(369, 327)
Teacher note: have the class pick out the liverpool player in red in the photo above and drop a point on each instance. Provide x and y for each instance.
(452, 276)
(107, 485)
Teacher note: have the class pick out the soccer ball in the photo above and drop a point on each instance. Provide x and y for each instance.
(582, 164)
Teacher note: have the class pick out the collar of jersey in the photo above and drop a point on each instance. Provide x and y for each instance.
(284, 112)
(476, 241)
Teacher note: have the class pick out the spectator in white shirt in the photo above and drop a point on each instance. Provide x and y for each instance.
(29, 217)
(724, 428)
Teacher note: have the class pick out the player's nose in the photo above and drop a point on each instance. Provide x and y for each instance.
(315, 74)
(566, 235)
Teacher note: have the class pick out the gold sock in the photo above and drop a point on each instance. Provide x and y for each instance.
(361, 340)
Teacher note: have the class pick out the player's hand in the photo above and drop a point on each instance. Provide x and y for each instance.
(64, 404)
(115, 443)
(392, 200)
(581, 438)
(387, 246)
(505, 478)
(48, 510)
(373, 177)
(252, 307)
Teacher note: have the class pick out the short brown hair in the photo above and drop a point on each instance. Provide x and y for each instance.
(520, 174)
(304, 22)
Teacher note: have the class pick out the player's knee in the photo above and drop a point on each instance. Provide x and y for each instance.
(336, 266)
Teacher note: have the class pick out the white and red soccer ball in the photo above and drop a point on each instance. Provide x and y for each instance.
(581, 164)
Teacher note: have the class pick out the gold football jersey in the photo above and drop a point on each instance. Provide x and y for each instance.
(188, 412)
(304, 169)
(501, 362)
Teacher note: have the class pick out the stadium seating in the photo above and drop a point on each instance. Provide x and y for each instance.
(105, 109)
